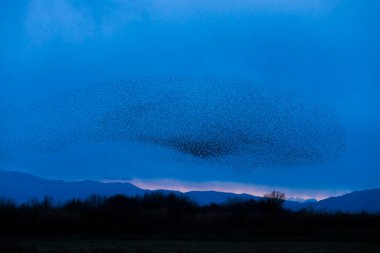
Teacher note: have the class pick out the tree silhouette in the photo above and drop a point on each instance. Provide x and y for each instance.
(273, 201)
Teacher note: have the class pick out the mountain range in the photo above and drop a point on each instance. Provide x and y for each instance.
(23, 187)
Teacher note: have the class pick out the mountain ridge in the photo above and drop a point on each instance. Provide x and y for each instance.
(24, 187)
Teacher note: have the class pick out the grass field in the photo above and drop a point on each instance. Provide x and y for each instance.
(63, 245)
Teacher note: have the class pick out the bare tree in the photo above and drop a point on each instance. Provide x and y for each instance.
(273, 200)
(276, 195)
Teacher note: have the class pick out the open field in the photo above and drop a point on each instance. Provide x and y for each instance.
(62, 245)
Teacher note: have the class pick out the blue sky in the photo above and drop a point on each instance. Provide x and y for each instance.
(61, 61)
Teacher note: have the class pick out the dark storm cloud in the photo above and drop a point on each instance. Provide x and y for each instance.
(209, 119)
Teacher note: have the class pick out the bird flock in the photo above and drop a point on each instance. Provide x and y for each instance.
(214, 120)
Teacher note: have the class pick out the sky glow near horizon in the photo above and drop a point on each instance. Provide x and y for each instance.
(60, 60)
(231, 187)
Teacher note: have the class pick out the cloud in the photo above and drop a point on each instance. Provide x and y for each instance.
(75, 21)
(59, 19)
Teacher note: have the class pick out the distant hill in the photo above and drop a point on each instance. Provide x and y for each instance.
(207, 197)
(367, 200)
(24, 187)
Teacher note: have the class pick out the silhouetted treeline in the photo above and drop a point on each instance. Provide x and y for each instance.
(176, 216)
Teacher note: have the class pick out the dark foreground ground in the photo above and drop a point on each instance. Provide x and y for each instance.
(158, 223)
(88, 245)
